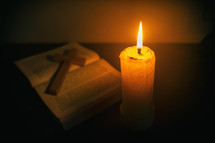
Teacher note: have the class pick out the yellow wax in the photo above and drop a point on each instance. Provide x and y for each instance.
(137, 72)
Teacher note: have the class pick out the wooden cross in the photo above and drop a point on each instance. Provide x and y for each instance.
(67, 61)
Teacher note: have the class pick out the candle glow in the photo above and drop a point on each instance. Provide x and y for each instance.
(140, 36)
(137, 73)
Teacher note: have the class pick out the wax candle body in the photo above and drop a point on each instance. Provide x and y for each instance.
(137, 71)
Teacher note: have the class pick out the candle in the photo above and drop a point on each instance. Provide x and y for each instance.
(137, 71)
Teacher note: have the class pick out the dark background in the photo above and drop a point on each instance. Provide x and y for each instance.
(105, 21)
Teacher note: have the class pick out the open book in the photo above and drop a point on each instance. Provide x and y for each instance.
(86, 90)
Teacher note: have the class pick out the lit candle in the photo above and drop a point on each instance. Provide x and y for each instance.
(137, 71)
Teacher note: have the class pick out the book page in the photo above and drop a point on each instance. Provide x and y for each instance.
(39, 68)
(82, 88)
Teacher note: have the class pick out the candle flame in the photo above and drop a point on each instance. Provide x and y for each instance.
(140, 36)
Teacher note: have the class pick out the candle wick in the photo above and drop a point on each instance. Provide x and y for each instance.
(139, 50)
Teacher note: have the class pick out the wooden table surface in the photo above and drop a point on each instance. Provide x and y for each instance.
(184, 97)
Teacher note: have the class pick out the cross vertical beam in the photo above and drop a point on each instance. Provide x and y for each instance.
(66, 62)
